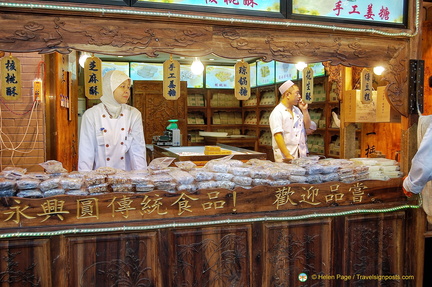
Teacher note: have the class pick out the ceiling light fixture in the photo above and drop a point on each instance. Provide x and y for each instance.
(378, 70)
(197, 67)
(83, 58)
(300, 66)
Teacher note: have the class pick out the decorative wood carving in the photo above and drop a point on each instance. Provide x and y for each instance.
(119, 36)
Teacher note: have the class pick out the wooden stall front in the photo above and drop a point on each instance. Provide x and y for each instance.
(332, 234)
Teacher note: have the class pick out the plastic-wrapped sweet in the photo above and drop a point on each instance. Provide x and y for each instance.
(281, 182)
(280, 174)
(53, 166)
(361, 169)
(330, 168)
(259, 162)
(242, 180)
(337, 161)
(261, 182)
(201, 174)
(291, 168)
(10, 172)
(361, 176)
(160, 163)
(140, 178)
(223, 176)
(145, 187)
(235, 162)
(217, 166)
(187, 187)
(27, 183)
(30, 193)
(378, 176)
(106, 170)
(314, 178)
(185, 165)
(52, 192)
(297, 178)
(118, 178)
(122, 187)
(225, 184)
(76, 174)
(346, 171)
(165, 185)
(69, 183)
(312, 169)
(38, 175)
(161, 177)
(259, 172)
(7, 184)
(207, 184)
(94, 179)
(347, 178)
(78, 192)
(48, 184)
(98, 188)
(240, 171)
(304, 161)
(181, 177)
(330, 177)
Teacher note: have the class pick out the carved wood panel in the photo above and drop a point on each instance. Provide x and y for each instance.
(113, 260)
(294, 248)
(156, 110)
(23, 32)
(25, 263)
(211, 257)
(371, 248)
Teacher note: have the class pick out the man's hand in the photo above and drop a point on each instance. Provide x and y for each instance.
(303, 105)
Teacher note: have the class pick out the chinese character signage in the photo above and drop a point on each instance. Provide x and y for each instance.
(242, 81)
(10, 78)
(307, 85)
(366, 86)
(118, 207)
(171, 79)
(263, 6)
(372, 11)
(93, 78)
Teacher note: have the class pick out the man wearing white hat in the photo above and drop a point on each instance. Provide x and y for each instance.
(289, 123)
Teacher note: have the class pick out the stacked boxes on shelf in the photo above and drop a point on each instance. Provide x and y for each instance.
(224, 100)
(266, 138)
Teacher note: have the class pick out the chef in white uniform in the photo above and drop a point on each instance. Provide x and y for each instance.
(289, 123)
(112, 133)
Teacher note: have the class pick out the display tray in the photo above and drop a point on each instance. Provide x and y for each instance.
(196, 153)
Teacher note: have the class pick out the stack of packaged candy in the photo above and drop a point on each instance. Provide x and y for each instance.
(180, 176)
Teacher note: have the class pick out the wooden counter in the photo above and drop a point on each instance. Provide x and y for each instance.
(196, 153)
(264, 236)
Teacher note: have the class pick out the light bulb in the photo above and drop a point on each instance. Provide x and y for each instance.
(378, 70)
(300, 66)
(197, 67)
(83, 58)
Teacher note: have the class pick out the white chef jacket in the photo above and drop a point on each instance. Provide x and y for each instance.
(421, 168)
(109, 142)
(292, 129)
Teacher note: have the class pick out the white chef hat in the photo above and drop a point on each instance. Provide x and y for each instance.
(285, 86)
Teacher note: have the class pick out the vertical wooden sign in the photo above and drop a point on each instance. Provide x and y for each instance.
(93, 78)
(242, 81)
(171, 79)
(307, 85)
(10, 78)
(366, 86)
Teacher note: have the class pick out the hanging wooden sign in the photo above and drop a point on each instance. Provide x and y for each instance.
(307, 85)
(10, 78)
(93, 77)
(366, 86)
(171, 79)
(242, 81)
